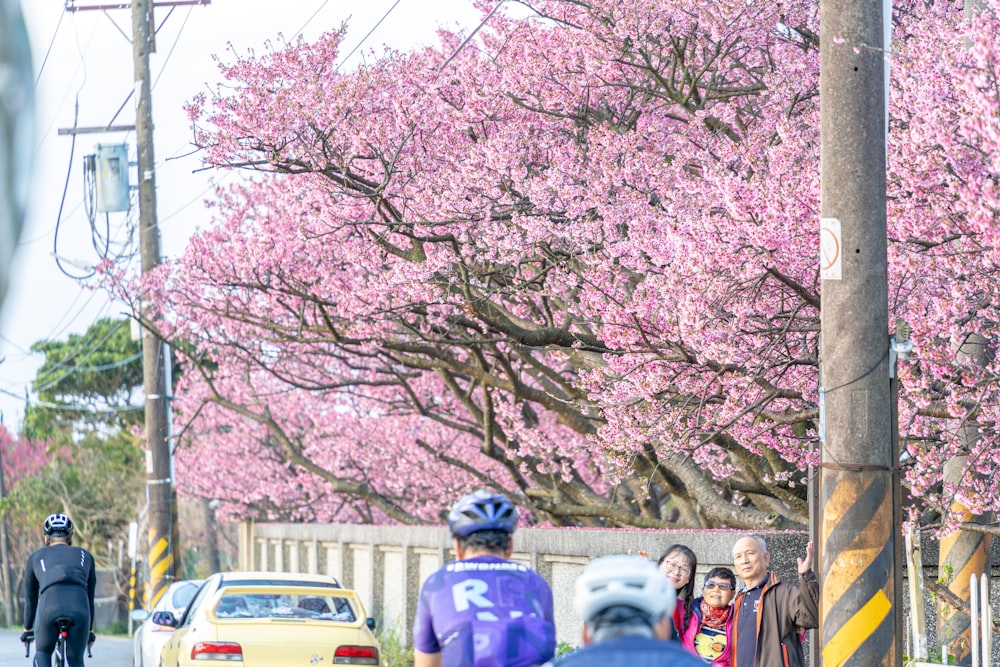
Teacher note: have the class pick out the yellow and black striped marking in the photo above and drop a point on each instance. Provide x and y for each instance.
(962, 554)
(160, 567)
(856, 605)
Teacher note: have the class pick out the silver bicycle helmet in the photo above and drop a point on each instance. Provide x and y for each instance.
(482, 510)
(58, 524)
(623, 581)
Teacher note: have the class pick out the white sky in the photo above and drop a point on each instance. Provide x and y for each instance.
(87, 55)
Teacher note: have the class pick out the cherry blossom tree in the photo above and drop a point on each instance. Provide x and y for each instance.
(575, 260)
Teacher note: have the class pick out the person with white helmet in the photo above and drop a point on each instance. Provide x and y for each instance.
(59, 582)
(626, 604)
(484, 610)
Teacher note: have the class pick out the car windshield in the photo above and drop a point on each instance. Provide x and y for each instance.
(182, 596)
(329, 607)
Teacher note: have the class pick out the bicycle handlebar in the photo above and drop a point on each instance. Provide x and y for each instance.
(27, 650)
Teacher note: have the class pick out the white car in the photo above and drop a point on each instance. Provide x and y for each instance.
(150, 638)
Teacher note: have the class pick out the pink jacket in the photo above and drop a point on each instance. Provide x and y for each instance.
(687, 636)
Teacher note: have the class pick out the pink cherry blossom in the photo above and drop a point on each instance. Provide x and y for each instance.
(578, 264)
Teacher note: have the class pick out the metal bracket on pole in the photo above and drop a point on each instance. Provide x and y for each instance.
(71, 6)
(900, 345)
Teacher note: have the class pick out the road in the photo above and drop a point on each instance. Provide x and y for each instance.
(108, 651)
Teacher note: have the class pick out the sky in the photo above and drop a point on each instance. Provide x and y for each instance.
(84, 75)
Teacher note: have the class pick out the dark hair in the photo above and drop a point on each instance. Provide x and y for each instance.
(685, 594)
(621, 615)
(722, 573)
(495, 540)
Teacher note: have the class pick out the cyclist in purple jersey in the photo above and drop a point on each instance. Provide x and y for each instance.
(483, 610)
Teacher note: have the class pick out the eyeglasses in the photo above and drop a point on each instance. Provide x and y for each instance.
(721, 585)
(674, 566)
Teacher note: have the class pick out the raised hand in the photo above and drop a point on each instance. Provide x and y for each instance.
(805, 564)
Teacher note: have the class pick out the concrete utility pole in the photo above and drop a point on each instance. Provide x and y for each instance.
(964, 553)
(159, 469)
(858, 540)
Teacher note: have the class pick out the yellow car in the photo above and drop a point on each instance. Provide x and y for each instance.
(268, 619)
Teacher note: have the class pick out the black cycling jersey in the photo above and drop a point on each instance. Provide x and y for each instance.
(59, 582)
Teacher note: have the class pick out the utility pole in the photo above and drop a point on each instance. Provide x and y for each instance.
(161, 491)
(159, 467)
(858, 537)
(964, 553)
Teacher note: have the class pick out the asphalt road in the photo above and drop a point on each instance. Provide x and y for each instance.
(108, 651)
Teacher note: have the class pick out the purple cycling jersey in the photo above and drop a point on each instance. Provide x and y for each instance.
(486, 612)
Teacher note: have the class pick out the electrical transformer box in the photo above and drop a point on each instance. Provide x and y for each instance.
(112, 178)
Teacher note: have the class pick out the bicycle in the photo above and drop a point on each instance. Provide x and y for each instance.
(59, 653)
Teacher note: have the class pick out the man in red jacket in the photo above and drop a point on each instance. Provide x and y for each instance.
(769, 614)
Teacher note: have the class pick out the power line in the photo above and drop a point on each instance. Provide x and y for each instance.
(197, 197)
(62, 200)
(365, 38)
(81, 354)
(48, 51)
(471, 35)
(70, 407)
(310, 19)
(177, 38)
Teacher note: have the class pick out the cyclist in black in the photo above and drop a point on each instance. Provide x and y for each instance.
(59, 582)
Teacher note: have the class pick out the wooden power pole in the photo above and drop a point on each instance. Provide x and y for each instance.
(159, 468)
(858, 533)
(164, 554)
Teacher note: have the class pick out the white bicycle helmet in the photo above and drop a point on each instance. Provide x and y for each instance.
(625, 581)
(58, 524)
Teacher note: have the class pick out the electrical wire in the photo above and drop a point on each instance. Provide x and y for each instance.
(101, 239)
(177, 38)
(310, 19)
(71, 407)
(365, 38)
(471, 35)
(212, 186)
(48, 51)
(80, 354)
(62, 199)
(96, 369)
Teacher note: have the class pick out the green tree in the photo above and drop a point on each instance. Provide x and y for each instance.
(88, 382)
(86, 416)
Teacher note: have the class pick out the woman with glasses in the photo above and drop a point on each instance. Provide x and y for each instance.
(708, 631)
(679, 563)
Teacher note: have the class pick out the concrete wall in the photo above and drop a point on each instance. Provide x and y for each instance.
(387, 564)
(107, 605)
